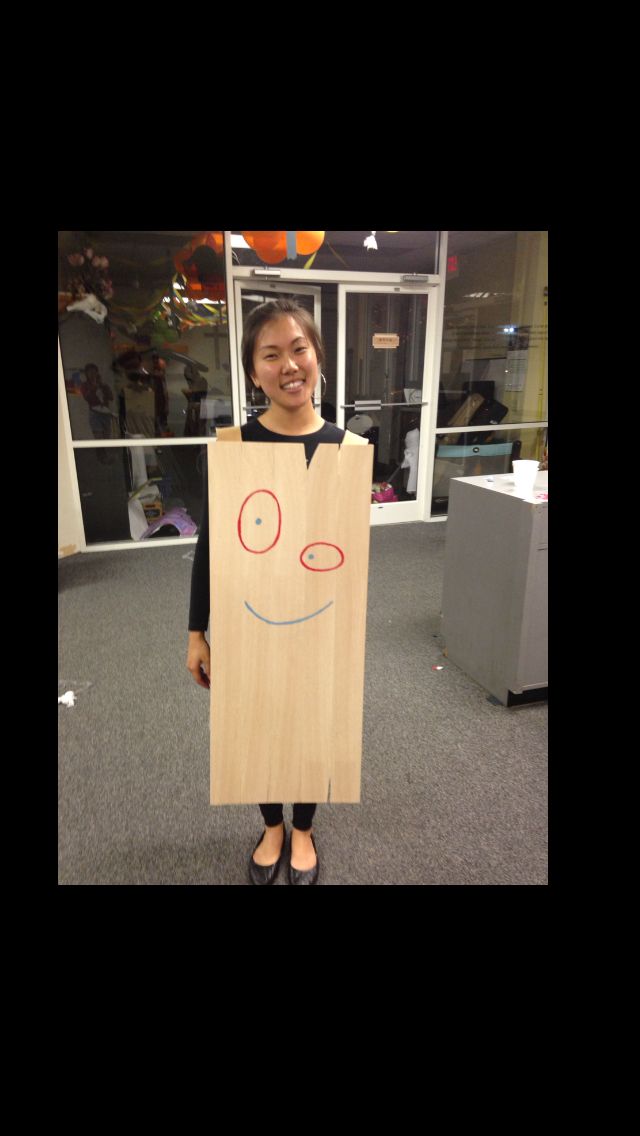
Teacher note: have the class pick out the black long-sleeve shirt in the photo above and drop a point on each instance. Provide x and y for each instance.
(252, 431)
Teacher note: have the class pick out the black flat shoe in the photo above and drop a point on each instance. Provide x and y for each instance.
(260, 875)
(310, 877)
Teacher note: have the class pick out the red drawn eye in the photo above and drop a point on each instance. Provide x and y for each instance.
(260, 521)
(322, 557)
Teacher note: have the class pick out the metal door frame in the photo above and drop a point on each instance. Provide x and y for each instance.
(401, 511)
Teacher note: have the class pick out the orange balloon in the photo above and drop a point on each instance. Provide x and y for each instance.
(262, 238)
(308, 240)
(272, 251)
(271, 244)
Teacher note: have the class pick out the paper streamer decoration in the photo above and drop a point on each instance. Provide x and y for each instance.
(213, 285)
(291, 245)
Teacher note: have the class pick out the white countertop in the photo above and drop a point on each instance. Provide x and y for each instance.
(504, 483)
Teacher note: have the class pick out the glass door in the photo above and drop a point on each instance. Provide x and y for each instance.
(248, 295)
(385, 363)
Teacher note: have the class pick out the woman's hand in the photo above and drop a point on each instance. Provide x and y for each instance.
(199, 659)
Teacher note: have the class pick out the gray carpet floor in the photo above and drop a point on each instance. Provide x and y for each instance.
(454, 787)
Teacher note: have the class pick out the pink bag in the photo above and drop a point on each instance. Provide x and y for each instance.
(179, 519)
(385, 493)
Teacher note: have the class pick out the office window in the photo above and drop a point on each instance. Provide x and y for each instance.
(139, 493)
(143, 333)
(485, 453)
(494, 346)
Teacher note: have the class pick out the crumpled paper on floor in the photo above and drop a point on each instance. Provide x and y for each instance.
(67, 699)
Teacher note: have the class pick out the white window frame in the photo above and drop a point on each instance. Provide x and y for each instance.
(398, 512)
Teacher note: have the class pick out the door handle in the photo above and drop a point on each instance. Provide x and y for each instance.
(358, 406)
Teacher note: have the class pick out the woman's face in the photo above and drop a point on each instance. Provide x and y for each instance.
(285, 365)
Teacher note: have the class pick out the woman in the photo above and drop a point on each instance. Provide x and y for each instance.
(282, 355)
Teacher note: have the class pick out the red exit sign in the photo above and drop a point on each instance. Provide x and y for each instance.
(452, 265)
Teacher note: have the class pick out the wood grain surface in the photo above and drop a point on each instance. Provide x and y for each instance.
(289, 550)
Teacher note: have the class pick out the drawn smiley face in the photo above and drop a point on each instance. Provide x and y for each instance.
(259, 529)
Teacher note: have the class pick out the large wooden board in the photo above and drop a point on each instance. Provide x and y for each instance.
(289, 551)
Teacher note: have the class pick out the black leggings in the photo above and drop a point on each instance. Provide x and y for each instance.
(302, 815)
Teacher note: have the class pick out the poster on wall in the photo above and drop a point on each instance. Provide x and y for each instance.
(515, 370)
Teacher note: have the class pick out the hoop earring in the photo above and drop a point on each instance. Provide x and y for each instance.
(254, 388)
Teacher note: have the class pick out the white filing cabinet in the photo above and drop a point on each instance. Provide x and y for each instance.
(495, 594)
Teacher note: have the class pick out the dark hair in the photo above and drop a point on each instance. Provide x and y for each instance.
(273, 309)
(131, 360)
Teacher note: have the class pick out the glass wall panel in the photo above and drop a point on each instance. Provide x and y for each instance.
(482, 453)
(364, 250)
(385, 345)
(494, 346)
(132, 493)
(143, 333)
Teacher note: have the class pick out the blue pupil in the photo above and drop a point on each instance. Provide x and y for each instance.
(258, 521)
(311, 556)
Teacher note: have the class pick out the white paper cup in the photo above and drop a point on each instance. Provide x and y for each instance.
(524, 474)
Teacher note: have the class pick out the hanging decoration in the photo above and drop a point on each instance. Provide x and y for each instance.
(88, 285)
(140, 311)
(201, 264)
(88, 275)
(193, 313)
(91, 306)
(273, 245)
(371, 242)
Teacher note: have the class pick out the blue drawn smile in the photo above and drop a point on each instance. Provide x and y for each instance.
(283, 622)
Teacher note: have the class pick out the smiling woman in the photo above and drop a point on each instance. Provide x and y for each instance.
(282, 353)
(282, 356)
